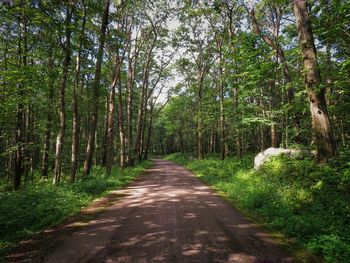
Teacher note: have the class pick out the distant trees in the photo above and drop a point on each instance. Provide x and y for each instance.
(261, 99)
(65, 69)
(84, 83)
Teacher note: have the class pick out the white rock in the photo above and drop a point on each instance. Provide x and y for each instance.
(265, 155)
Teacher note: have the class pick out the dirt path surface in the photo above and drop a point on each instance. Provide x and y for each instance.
(168, 215)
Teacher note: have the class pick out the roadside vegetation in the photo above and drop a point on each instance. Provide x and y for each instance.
(41, 205)
(307, 202)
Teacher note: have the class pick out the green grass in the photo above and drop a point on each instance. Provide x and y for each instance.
(40, 205)
(307, 202)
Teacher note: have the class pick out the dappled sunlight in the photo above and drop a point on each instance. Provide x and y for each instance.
(169, 216)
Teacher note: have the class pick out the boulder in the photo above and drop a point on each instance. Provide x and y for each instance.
(265, 155)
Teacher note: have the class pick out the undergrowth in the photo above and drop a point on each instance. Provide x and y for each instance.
(40, 205)
(305, 201)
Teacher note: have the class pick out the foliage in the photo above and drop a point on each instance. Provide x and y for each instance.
(299, 198)
(42, 205)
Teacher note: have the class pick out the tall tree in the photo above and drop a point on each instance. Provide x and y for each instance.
(143, 93)
(90, 148)
(75, 113)
(62, 126)
(321, 124)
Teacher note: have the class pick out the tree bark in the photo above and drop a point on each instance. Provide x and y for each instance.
(128, 141)
(19, 120)
(75, 113)
(143, 95)
(48, 130)
(62, 126)
(90, 149)
(122, 157)
(200, 144)
(223, 143)
(110, 121)
(321, 124)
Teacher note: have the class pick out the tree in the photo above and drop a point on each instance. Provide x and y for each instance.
(90, 148)
(75, 115)
(62, 128)
(321, 124)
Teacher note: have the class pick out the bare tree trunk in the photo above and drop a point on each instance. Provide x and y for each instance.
(75, 120)
(182, 145)
(19, 151)
(110, 125)
(238, 141)
(273, 129)
(90, 149)
(223, 143)
(110, 115)
(48, 130)
(129, 106)
(150, 124)
(132, 60)
(122, 160)
(143, 97)
(62, 127)
(200, 150)
(27, 141)
(321, 124)
(19, 126)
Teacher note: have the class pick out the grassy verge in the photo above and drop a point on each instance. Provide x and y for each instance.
(41, 205)
(302, 200)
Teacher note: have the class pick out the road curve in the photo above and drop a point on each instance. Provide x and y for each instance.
(168, 215)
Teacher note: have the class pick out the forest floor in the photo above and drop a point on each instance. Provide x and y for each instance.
(165, 215)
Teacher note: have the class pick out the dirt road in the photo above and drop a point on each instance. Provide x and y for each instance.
(168, 215)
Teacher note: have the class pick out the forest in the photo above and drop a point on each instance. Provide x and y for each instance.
(90, 90)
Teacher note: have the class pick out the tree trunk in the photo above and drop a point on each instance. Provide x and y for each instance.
(75, 113)
(200, 144)
(47, 140)
(110, 125)
(122, 157)
(275, 142)
(129, 106)
(90, 149)
(62, 126)
(148, 142)
(321, 125)
(19, 126)
(142, 100)
(223, 143)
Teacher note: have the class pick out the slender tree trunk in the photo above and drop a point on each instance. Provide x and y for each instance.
(110, 124)
(122, 160)
(48, 130)
(182, 145)
(238, 141)
(62, 126)
(75, 113)
(321, 124)
(142, 139)
(223, 143)
(19, 126)
(105, 135)
(149, 134)
(200, 150)
(274, 133)
(90, 149)
(129, 106)
(329, 80)
(142, 100)
(28, 165)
